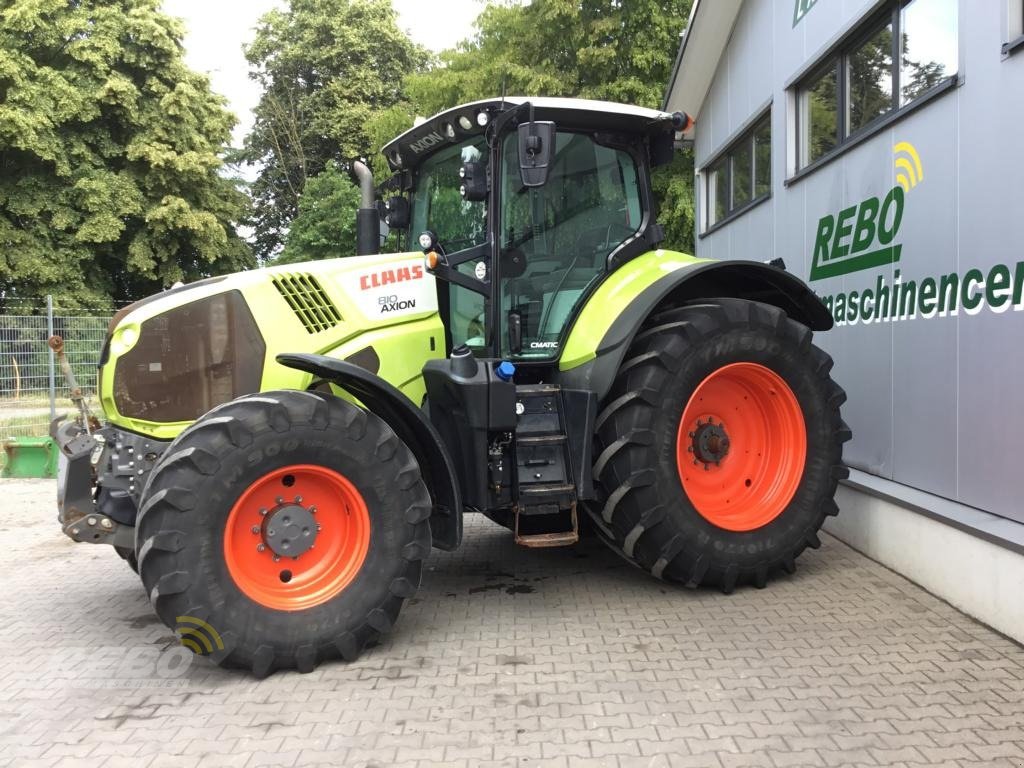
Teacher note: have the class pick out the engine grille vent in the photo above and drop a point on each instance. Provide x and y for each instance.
(308, 301)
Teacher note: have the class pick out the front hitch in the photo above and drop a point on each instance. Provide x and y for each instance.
(56, 343)
(76, 477)
(76, 507)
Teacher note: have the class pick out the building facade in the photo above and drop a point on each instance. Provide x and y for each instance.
(878, 148)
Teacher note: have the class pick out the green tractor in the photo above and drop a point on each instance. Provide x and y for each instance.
(282, 448)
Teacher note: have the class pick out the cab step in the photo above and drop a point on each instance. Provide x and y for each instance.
(533, 494)
(552, 453)
(550, 538)
(543, 459)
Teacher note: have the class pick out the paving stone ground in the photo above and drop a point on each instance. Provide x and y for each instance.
(512, 657)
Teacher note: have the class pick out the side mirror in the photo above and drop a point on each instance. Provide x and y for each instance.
(474, 181)
(396, 213)
(536, 151)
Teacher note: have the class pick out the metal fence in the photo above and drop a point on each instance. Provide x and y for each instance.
(32, 390)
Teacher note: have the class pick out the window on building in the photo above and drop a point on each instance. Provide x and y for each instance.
(819, 120)
(1014, 33)
(763, 159)
(741, 175)
(869, 79)
(897, 56)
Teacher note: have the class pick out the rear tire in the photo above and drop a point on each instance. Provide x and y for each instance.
(128, 555)
(741, 377)
(206, 542)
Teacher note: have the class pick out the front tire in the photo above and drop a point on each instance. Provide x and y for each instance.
(720, 445)
(288, 526)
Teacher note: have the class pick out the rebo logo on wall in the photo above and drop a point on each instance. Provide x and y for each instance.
(800, 9)
(866, 236)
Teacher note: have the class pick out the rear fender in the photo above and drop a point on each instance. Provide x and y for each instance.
(618, 309)
(410, 423)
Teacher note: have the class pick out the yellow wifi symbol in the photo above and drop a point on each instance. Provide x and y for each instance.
(909, 170)
(198, 636)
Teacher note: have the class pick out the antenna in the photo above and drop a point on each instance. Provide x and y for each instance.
(491, 129)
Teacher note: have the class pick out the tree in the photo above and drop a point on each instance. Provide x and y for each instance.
(325, 226)
(110, 168)
(596, 49)
(326, 67)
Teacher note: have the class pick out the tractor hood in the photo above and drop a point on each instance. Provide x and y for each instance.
(172, 357)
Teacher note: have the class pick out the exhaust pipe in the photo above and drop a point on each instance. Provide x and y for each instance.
(367, 218)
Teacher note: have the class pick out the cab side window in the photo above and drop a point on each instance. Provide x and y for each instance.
(459, 224)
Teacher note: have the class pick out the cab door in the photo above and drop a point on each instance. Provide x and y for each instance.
(555, 240)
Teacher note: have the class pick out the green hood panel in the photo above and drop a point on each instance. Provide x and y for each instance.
(612, 297)
(379, 312)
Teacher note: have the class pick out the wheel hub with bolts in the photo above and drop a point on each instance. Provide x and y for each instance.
(296, 537)
(766, 443)
(289, 530)
(710, 443)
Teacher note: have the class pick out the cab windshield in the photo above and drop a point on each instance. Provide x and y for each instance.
(554, 240)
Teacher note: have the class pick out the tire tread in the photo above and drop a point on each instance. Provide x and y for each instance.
(169, 505)
(624, 427)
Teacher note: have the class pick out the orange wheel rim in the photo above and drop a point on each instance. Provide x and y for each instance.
(297, 537)
(741, 447)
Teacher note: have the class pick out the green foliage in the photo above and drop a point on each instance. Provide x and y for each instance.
(381, 128)
(326, 68)
(340, 81)
(595, 49)
(110, 169)
(673, 190)
(326, 223)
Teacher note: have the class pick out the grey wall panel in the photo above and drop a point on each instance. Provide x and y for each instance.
(750, 81)
(751, 234)
(991, 414)
(818, 28)
(789, 44)
(991, 217)
(743, 82)
(925, 349)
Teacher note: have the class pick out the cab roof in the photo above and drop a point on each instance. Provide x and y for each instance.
(421, 141)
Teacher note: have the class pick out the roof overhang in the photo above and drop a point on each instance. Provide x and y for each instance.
(706, 37)
(459, 123)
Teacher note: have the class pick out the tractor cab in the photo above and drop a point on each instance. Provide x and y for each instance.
(523, 207)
